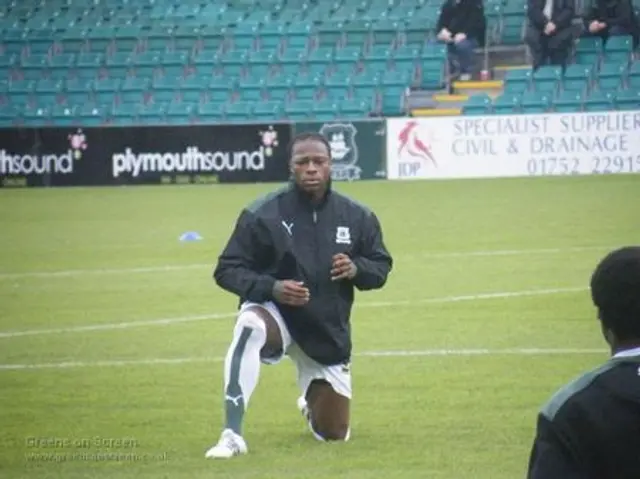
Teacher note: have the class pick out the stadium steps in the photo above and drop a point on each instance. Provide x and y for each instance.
(500, 71)
(417, 112)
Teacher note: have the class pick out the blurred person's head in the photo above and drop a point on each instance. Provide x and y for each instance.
(615, 290)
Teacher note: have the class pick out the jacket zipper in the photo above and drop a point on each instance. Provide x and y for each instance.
(316, 249)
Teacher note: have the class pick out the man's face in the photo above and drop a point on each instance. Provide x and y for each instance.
(311, 165)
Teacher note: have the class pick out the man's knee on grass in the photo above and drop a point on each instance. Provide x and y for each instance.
(329, 411)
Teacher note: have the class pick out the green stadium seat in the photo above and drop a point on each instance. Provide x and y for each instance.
(610, 76)
(353, 107)
(240, 110)
(299, 108)
(320, 55)
(366, 80)
(131, 96)
(293, 55)
(618, 48)
(547, 78)
(378, 53)
(507, 104)
(599, 100)
(577, 77)
(268, 110)
(325, 107)
(107, 84)
(479, 104)
(181, 110)
(588, 50)
(518, 80)
(568, 101)
(251, 95)
(36, 61)
(22, 86)
(407, 52)
(628, 99)
(135, 83)
(535, 102)
(365, 92)
(63, 115)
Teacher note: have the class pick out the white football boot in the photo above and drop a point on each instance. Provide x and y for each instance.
(229, 445)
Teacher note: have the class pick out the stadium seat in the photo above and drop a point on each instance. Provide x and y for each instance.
(507, 104)
(628, 99)
(588, 50)
(547, 78)
(517, 80)
(479, 104)
(611, 75)
(535, 102)
(568, 101)
(577, 77)
(599, 100)
(618, 49)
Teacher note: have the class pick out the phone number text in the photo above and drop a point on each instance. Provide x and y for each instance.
(598, 165)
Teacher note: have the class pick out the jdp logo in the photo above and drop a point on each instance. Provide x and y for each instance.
(28, 164)
(344, 150)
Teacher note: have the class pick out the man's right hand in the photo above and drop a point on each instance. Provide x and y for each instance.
(594, 27)
(291, 293)
(444, 35)
(550, 28)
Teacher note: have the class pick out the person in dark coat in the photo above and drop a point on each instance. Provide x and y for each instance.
(607, 18)
(462, 25)
(549, 32)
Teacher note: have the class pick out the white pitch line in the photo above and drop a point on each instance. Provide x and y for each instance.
(185, 267)
(206, 317)
(368, 354)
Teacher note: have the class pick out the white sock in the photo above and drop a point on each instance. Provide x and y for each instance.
(242, 367)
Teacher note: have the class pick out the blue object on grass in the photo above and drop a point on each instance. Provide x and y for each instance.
(190, 236)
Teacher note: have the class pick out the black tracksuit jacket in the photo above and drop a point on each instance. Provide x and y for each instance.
(284, 236)
(590, 429)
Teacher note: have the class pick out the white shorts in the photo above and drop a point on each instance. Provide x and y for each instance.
(338, 376)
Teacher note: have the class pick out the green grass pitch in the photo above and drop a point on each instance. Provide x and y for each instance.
(486, 313)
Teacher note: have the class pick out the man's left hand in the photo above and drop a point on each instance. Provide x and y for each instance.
(460, 37)
(343, 268)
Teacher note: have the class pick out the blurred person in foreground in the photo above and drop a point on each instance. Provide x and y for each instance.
(590, 429)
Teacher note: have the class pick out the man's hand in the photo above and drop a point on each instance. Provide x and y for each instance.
(342, 268)
(460, 37)
(550, 28)
(291, 293)
(444, 35)
(594, 26)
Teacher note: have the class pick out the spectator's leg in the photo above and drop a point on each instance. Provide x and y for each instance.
(453, 59)
(536, 48)
(558, 56)
(465, 51)
(617, 31)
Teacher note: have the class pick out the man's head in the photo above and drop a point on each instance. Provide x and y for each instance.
(310, 162)
(615, 290)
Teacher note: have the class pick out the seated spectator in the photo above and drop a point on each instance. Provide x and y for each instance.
(549, 32)
(612, 17)
(462, 26)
